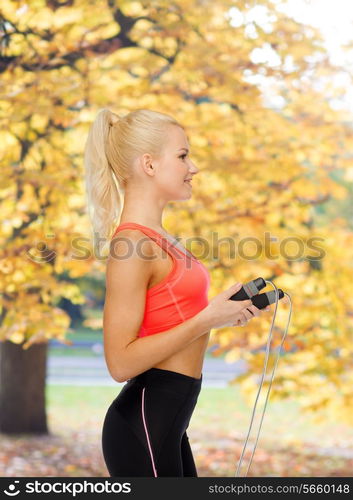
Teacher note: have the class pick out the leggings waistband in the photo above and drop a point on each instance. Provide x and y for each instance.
(167, 379)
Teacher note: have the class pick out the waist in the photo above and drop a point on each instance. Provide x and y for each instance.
(167, 379)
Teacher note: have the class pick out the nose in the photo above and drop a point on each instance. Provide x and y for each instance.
(194, 169)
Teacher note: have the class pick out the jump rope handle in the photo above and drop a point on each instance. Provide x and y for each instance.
(250, 291)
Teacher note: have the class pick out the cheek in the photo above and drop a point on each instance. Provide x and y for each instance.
(172, 176)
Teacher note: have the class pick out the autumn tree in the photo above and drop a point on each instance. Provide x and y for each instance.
(264, 169)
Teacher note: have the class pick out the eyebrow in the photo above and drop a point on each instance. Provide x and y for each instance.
(183, 148)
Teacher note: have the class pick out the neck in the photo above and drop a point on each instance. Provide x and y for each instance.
(144, 210)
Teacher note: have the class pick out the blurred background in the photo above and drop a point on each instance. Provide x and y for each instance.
(264, 90)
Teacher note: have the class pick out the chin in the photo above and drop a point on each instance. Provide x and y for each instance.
(183, 194)
(180, 198)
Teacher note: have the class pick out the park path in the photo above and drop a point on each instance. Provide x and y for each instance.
(80, 370)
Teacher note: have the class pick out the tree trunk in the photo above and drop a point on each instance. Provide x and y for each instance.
(22, 388)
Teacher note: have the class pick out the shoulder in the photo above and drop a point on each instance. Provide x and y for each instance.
(132, 244)
(132, 236)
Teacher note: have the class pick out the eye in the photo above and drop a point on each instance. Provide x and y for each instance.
(183, 156)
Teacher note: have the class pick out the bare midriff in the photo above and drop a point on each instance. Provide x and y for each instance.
(188, 361)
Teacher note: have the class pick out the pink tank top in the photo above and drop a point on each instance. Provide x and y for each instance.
(180, 295)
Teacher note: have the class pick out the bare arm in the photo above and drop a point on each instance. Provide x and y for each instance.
(127, 278)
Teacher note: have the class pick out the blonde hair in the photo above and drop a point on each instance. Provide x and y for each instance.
(112, 145)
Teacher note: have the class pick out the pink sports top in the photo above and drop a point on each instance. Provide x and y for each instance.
(180, 295)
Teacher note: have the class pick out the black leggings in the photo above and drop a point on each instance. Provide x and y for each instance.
(144, 430)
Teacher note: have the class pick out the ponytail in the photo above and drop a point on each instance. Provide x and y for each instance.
(104, 203)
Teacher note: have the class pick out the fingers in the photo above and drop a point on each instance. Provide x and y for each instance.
(248, 313)
(233, 289)
(254, 311)
(242, 319)
(240, 322)
(246, 303)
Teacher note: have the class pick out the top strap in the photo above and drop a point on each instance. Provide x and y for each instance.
(155, 235)
(161, 240)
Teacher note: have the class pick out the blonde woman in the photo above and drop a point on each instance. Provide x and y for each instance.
(157, 316)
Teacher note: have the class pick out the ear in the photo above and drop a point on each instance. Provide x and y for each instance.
(145, 164)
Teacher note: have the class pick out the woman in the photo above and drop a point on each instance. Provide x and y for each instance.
(157, 317)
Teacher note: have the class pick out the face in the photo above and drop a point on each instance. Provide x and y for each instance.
(174, 167)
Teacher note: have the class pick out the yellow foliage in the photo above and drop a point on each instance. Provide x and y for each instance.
(262, 170)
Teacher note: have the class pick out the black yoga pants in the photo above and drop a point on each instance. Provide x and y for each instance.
(144, 430)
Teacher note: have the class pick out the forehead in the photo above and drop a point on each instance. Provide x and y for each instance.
(177, 138)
